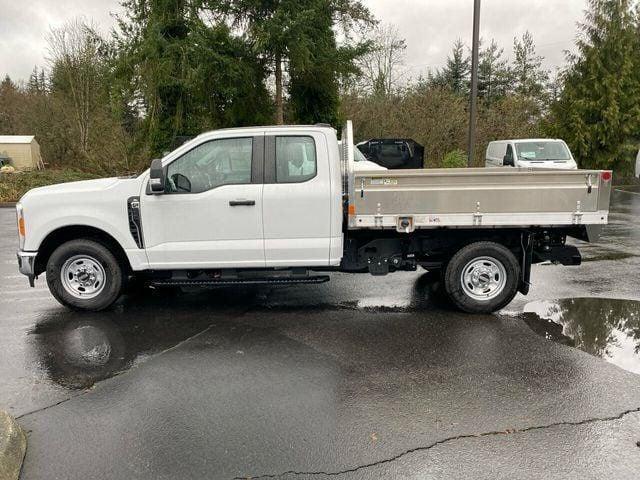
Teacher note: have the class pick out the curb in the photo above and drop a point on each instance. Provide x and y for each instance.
(13, 445)
(7, 204)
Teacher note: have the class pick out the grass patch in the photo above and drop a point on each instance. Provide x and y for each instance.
(14, 185)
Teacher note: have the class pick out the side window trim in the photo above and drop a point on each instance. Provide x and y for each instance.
(270, 159)
(509, 151)
(257, 160)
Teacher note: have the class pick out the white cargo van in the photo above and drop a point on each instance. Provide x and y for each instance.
(530, 153)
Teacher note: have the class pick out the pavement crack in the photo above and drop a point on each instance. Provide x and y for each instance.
(46, 407)
(442, 442)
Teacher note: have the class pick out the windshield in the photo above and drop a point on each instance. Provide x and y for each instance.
(542, 151)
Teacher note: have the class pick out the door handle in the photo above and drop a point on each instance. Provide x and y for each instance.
(242, 203)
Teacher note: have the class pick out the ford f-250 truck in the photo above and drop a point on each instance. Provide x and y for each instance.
(285, 205)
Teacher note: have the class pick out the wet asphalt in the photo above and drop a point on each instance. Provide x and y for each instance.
(363, 377)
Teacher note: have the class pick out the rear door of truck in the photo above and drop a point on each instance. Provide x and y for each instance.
(297, 198)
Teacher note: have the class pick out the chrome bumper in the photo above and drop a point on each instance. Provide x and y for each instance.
(26, 264)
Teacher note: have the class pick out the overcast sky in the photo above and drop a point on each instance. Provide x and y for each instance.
(429, 26)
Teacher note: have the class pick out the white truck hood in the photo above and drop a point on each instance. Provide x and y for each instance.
(96, 185)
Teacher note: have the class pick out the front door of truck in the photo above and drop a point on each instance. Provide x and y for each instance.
(210, 214)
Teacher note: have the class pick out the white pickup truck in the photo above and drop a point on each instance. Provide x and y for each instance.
(285, 205)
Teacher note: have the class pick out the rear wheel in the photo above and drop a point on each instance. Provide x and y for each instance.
(482, 277)
(84, 274)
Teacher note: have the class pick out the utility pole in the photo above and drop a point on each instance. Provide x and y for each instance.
(474, 80)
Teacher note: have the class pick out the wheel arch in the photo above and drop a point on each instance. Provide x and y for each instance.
(73, 232)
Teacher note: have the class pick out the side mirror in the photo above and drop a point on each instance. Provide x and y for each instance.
(182, 183)
(507, 161)
(156, 177)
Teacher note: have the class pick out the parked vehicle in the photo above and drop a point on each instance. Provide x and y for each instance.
(285, 205)
(530, 153)
(361, 164)
(393, 153)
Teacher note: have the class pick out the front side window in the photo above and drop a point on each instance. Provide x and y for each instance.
(210, 165)
(295, 159)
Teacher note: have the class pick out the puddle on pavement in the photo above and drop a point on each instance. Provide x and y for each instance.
(606, 328)
(78, 349)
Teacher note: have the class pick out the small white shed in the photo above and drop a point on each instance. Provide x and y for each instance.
(22, 151)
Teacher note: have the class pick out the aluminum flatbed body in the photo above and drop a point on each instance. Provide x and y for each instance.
(407, 200)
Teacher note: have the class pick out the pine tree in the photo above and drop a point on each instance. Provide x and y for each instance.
(598, 112)
(37, 82)
(455, 75)
(185, 74)
(297, 35)
(529, 77)
(494, 75)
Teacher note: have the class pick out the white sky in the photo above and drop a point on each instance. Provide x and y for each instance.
(429, 26)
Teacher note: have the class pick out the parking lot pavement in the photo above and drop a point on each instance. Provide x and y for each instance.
(363, 377)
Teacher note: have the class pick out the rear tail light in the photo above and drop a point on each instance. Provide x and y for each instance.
(606, 176)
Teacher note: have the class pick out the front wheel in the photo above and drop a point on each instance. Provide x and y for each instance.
(482, 277)
(85, 275)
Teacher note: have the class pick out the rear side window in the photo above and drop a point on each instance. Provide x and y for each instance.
(295, 159)
(492, 149)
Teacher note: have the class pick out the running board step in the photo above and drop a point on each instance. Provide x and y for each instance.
(239, 281)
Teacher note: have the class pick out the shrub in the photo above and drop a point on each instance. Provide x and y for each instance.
(455, 159)
(14, 185)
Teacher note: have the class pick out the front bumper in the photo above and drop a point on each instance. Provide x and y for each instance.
(26, 265)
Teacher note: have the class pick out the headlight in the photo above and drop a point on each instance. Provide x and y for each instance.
(22, 232)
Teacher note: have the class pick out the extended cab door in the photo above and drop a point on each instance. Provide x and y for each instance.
(210, 215)
(297, 199)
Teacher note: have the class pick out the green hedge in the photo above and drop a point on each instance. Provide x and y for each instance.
(14, 185)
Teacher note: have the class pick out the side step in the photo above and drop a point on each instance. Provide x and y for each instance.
(239, 281)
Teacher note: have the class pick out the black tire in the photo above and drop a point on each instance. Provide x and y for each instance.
(113, 275)
(453, 277)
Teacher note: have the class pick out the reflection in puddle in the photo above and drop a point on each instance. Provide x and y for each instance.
(602, 327)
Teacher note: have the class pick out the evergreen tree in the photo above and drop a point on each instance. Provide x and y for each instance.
(314, 80)
(37, 83)
(455, 75)
(529, 77)
(494, 75)
(299, 35)
(185, 74)
(598, 112)
(9, 94)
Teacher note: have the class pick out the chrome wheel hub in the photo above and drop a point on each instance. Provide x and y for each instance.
(483, 278)
(83, 276)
